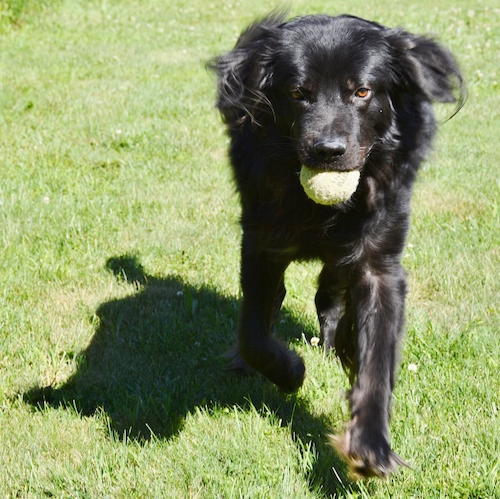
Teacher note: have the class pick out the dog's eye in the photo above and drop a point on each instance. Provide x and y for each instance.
(297, 94)
(363, 92)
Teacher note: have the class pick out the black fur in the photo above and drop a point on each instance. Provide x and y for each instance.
(337, 93)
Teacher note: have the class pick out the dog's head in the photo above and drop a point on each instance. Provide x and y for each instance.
(336, 86)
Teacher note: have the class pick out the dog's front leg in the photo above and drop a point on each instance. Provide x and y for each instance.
(263, 291)
(378, 301)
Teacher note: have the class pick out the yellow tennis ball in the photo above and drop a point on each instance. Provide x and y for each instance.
(328, 187)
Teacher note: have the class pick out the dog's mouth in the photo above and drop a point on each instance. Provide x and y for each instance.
(340, 165)
(332, 156)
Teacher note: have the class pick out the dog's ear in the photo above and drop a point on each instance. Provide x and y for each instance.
(246, 71)
(426, 66)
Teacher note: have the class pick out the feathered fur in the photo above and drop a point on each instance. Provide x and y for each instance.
(338, 93)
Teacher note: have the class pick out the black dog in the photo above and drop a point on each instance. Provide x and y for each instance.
(331, 93)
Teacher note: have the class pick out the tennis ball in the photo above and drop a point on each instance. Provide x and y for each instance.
(328, 187)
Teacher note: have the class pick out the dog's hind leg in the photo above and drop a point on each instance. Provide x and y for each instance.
(329, 306)
(278, 301)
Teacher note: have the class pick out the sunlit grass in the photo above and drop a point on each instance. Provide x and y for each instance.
(120, 250)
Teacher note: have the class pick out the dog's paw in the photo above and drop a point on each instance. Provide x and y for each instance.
(366, 458)
(289, 373)
(277, 363)
(283, 366)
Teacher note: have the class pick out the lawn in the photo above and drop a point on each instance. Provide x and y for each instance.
(119, 293)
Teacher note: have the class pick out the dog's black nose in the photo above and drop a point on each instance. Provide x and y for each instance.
(328, 150)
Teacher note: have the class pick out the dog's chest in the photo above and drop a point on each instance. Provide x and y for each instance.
(330, 240)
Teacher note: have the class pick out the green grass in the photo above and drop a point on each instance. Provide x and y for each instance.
(119, 246)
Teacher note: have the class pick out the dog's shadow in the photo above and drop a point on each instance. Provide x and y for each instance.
(158, 354)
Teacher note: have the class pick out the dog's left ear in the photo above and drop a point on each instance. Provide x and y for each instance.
(425, 65)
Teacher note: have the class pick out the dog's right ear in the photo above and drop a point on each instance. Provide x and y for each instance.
(245, 72)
